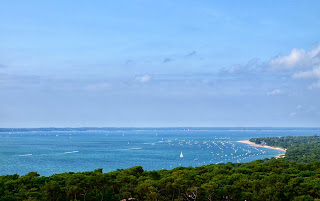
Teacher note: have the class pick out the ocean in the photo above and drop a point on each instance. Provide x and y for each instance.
(50, 150)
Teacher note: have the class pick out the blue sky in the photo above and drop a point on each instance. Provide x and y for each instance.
(159, 63)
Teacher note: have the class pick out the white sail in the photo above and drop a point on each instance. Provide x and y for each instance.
(181, 155)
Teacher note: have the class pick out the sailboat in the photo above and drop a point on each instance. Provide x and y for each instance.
(181, 155)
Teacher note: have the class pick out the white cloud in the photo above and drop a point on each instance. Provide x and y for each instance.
(298, 64)
(144, 78)
(274, 92)
(311, 74)
(308, 62)
(298, 58)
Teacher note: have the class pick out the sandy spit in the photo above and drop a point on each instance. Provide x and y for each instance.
(264, 146)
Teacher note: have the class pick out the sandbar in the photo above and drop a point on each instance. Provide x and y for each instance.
(264, 146)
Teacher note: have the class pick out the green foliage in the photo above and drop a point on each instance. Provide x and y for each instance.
(301, 149)
(273, 179)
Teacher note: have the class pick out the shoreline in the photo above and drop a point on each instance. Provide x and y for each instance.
(264, 146)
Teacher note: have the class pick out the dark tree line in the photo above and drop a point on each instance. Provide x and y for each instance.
(300, 149)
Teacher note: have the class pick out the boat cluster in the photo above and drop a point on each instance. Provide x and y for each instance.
(220, 151)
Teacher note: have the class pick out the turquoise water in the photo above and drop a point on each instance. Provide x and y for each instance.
(50, 151)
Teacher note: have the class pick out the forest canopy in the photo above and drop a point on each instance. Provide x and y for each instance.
(300, 149)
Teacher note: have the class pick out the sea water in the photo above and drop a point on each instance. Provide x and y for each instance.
(50, 151)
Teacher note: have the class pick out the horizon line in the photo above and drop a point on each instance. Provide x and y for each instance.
(104, 127)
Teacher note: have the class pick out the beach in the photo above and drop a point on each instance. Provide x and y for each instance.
(264, 146)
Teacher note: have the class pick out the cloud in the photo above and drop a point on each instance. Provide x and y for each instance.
(315, 85)
(305, 108)
(298, 64)
(292, 114)
(274, 92)
(311, 74)
(191, 53)
(167, 60)
(298, 58)
(143, 79)
(252, 66)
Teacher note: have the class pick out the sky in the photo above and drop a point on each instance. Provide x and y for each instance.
(168, 63)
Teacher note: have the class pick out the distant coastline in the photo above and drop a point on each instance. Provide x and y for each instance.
(264, 146)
